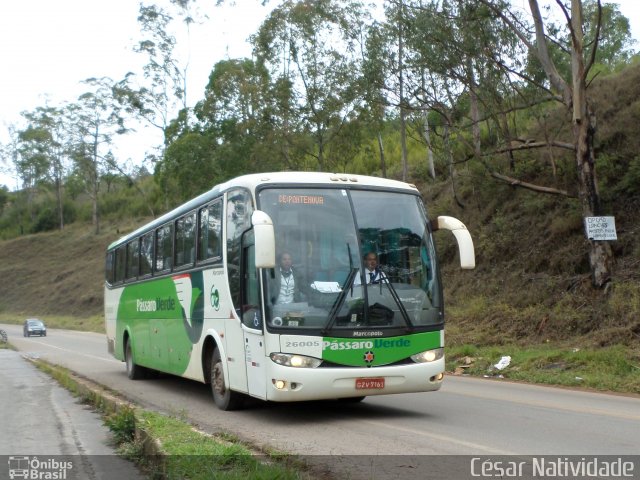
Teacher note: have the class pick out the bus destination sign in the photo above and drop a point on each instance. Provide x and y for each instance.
(301, 199)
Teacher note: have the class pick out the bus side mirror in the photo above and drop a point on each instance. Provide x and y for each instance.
(265, 239)
(463, 237)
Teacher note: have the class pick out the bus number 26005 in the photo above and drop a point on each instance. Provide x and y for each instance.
(308, 343)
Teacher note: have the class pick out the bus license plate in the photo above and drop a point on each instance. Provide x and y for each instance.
(369, 383)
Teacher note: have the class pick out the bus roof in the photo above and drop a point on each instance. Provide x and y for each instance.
(252, 181)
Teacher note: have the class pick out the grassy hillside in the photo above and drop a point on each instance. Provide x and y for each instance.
(58, 276)
(530, 292)
(529, 297)
(532, 282)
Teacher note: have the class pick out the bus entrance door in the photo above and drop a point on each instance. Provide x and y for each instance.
(255, 361)
(252, 323)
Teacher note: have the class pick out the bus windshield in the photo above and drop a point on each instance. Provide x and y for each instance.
(349, 261)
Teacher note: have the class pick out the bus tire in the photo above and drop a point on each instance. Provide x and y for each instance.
(134, 371)
(224, 398)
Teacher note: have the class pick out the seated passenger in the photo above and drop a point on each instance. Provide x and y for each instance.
(287, 286)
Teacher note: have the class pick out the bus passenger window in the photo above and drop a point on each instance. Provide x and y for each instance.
(146, 254)
(251, 314)
(121, 261)
(185, 240)
(164, 248)
(110, 267)
(209, 243)
(132, 260)
(238, 221)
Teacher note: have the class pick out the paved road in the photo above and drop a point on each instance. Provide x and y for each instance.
(467, 417)
(41, 420)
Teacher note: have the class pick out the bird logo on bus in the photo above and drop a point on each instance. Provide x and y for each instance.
(215, 298)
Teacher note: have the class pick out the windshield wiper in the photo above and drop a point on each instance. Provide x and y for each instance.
(337, 305)
(396, 298)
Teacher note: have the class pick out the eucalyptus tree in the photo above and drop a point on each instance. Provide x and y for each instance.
(449, 43)
(601, 21)
(570, 88)
(96, 117)
(9, 153)
(238, 111)
(615, 43)
(232, 133)
(20, 206)
(412, 60)
(374, 68)
(4, 197)
(45, 137)
(40, 157)
(386, 75)
(162, 90)
(32, 162)
(311, 51)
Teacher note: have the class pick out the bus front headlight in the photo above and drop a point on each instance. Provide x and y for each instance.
(428, 356)
(297, 361)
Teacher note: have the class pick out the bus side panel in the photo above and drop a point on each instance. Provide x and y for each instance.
(159, 317)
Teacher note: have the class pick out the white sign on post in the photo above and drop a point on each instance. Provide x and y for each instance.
(600, 228)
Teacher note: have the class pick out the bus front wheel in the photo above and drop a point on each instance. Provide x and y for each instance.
(224, 398)
(134, 371)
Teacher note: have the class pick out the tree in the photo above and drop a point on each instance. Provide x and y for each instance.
(188, 168)
(4, 197)
(615, 43)
(238, 113)
(96, 117)
(32, 162)
(45, 135)
(374, 74)
(572, 92)
(310, 48)
(449, 44)
(162, 92)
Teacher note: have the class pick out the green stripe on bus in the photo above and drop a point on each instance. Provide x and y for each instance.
(377, 351)
(165, 318)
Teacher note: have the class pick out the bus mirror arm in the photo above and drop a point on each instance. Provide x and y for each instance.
(463, 237)
(265, 241)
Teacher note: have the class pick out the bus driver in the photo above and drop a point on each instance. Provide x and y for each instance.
(372, 272)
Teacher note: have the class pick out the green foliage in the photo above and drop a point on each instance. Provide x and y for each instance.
(4, 197)
(48, 217)
(46, 220)
(609, 368)
(624, 305)
(619, 176)
(126, 200)
(615, 43)
(122, 424)
(196, 455)
(189, 167)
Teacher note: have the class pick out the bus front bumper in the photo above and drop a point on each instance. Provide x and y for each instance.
(289, 384)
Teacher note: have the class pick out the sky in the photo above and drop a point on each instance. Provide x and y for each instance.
(48, 47)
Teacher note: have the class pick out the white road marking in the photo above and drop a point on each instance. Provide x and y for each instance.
(442, 438)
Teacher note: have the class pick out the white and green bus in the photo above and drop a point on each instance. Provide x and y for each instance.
(189, 293)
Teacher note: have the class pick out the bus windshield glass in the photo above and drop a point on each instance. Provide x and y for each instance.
(350, 261)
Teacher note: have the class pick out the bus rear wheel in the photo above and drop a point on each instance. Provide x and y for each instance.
(134, 371)
(224, 398)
